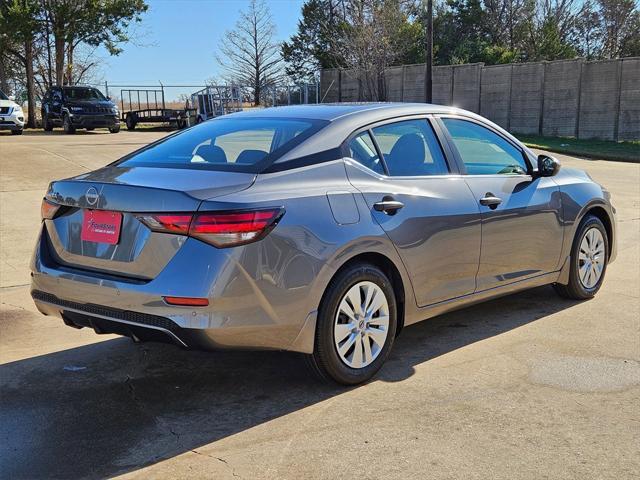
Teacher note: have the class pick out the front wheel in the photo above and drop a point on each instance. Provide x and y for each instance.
(356, 325)
(589, 257)
(46, 123)
(67, 126)
(16, 132)
(114, 129)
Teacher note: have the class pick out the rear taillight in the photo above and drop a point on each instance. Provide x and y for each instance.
(170, 223)
(48, 209)
(220, 229)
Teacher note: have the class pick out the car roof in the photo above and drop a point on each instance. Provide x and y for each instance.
(335, 111)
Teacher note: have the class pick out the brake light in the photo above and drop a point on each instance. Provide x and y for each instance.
(220, 229)
(48, 209)
(169, 223)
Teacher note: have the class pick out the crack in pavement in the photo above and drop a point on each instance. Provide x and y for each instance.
(219, 459)
(14, 306)
(19, 285)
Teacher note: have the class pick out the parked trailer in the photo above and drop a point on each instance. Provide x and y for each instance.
(151, 108)
(216, 100)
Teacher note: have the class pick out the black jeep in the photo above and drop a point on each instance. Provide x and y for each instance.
(78, 107)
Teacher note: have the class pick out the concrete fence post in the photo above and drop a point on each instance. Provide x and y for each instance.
(542, 89)
(616, 125)
(579, 110)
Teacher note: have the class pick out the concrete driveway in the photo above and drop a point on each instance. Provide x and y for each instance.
(528, 386)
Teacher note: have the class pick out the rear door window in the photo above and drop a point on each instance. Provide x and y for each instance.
(410, 148)
(363, 151)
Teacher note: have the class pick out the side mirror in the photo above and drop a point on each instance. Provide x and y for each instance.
(108, 97)
(548, 166)
(12, 98)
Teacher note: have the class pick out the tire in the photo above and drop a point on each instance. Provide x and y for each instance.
(114, 129)
(66, 125)
(131, 122)
(90, 129)
(594, 252)
(16, 132)
(46, 123)
(356, 332)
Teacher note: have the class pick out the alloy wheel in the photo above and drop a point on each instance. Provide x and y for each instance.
(361, 324)
(591, 258)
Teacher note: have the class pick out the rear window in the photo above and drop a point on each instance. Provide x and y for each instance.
(233, 144)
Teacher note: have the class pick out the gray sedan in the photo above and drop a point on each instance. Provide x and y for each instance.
(318, 229)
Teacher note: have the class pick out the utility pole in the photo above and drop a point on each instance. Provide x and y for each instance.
(428, 77)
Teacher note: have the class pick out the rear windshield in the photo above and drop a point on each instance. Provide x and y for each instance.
(82, 94)
(233, 144)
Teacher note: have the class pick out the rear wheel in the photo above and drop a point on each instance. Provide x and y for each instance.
(356, 325)
(67, 126)
(16, 132)
(131, 122)
(589, 256)
(115, 129)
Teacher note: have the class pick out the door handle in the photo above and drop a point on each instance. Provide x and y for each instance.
(490, 200)
(388, 205)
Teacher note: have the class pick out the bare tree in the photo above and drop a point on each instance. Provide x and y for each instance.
(371, 42)
(249, 53)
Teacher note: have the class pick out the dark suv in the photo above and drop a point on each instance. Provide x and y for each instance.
(78, 107)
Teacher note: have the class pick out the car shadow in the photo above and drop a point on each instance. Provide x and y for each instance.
(112, 407)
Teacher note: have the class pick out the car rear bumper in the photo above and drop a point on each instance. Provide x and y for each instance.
(94, 121)
(242, 312)
(107, 320)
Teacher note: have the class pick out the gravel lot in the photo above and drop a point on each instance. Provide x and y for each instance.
(528, 386)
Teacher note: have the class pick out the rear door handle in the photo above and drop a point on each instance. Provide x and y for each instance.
(388, 205)
(490, 200)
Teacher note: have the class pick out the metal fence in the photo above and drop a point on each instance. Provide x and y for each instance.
(572, 98)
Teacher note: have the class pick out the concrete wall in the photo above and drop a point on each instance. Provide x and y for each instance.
(526, 97)
(413, 83)
(349, 87)
(330, 85)
(495, 94)
(442, 85)
(599, 99)
(563, 98)
(466, 86)
(629, 116)
(394, 78)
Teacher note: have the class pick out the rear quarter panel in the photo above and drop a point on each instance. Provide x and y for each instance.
(284, 276)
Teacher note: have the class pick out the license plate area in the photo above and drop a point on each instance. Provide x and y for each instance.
(101, 226)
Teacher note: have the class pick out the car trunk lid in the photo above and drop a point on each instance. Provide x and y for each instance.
(139, 252)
